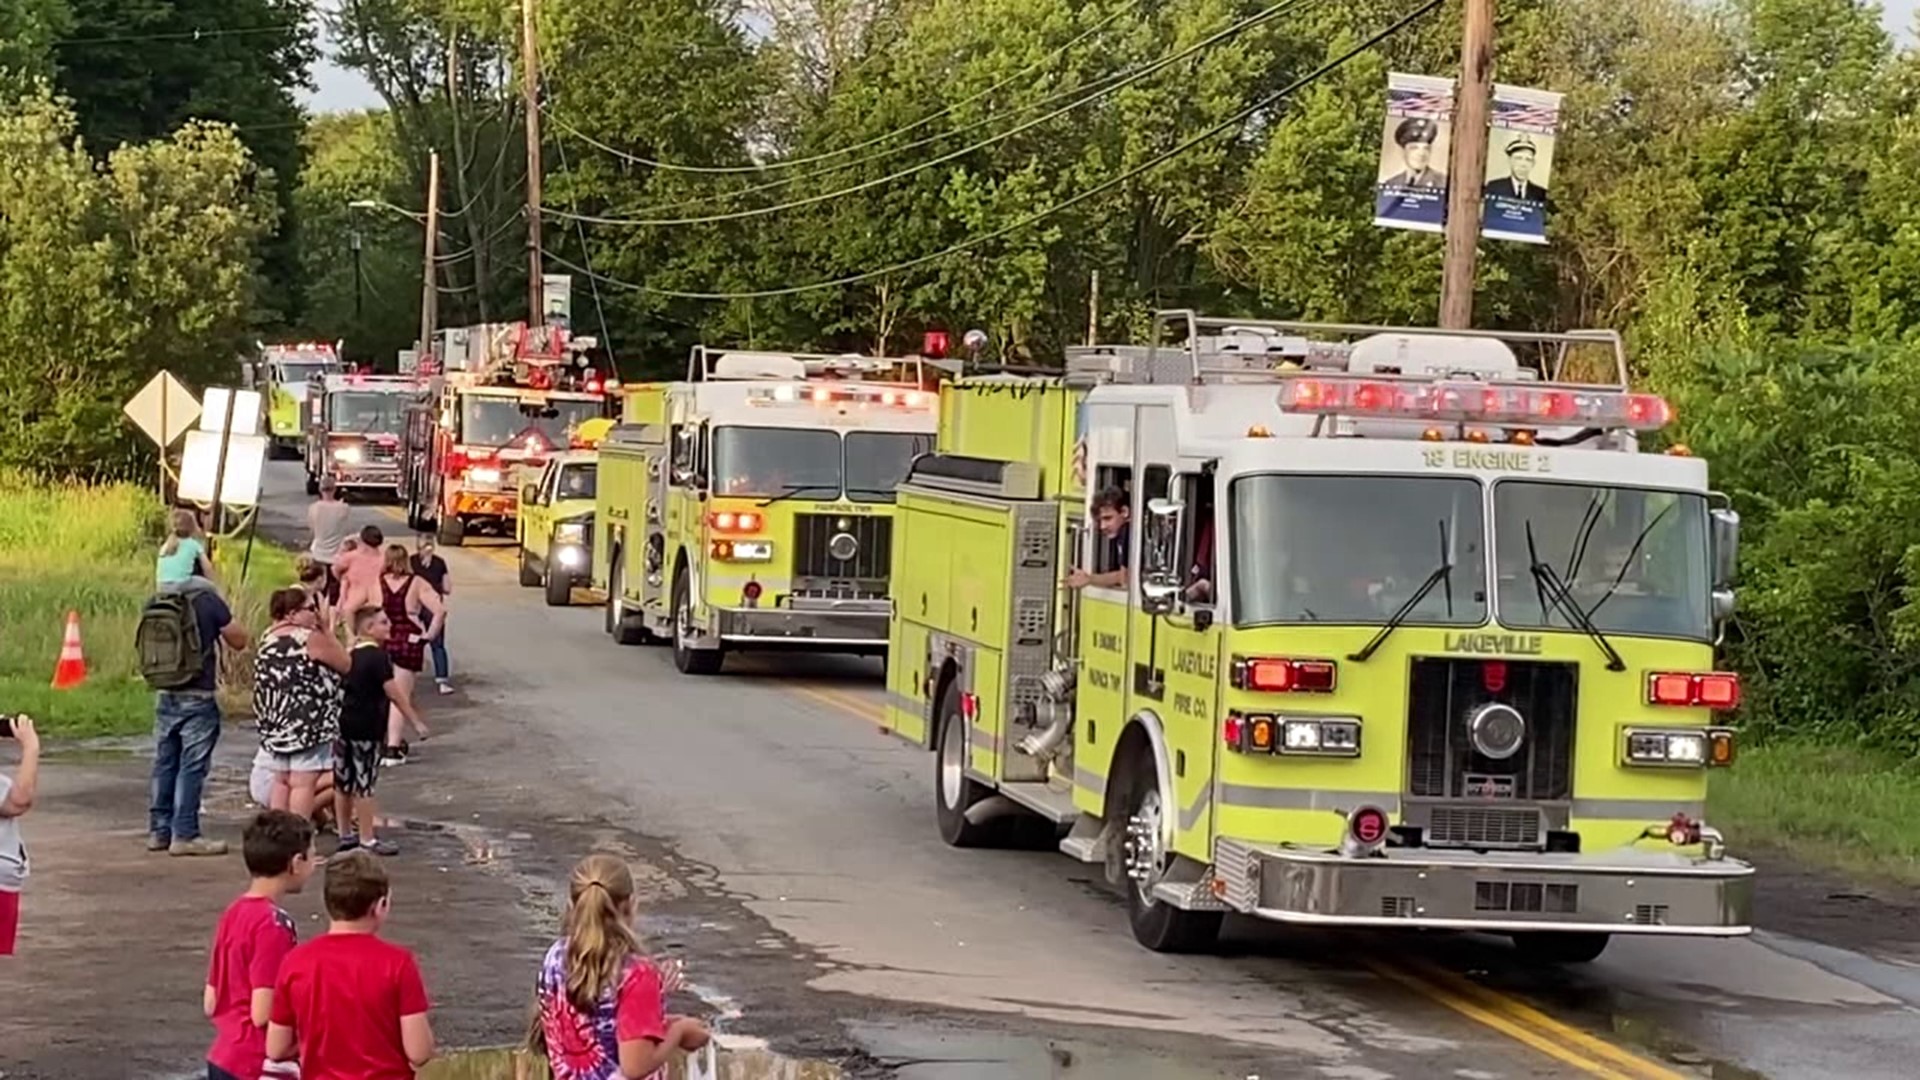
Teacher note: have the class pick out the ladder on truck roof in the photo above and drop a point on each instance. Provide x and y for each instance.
(1189, 348)
(709, 364)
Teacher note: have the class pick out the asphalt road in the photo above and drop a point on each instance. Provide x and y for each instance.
(816, 902)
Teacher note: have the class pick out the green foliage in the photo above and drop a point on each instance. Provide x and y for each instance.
(133, 71)
(109, 273)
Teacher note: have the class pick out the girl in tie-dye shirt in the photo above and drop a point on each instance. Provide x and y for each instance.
(601, 1003)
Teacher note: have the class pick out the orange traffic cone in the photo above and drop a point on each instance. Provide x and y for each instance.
(71, 671)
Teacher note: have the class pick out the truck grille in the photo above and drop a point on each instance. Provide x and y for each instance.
(1441, 760)
(813, 556)
(382, 454)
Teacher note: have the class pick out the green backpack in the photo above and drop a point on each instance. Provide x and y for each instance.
(167, 640)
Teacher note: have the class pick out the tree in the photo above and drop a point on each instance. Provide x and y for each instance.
(372, 300)
(139, 69)
(110, 272)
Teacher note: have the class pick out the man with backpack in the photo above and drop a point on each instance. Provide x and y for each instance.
(178, 640)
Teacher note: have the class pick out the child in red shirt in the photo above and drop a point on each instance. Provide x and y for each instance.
(349, 1005)
(253, 937)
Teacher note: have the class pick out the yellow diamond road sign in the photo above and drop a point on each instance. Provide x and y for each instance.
(164, 409)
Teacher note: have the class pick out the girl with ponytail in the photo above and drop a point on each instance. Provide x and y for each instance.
(601, 1002)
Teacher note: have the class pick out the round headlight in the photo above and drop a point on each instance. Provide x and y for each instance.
(843, 547)
(1497, 731)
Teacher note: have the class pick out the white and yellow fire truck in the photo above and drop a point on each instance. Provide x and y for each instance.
(1333, 626)
(281, 374)
(354, 425)
(751, 506)
(500, 400)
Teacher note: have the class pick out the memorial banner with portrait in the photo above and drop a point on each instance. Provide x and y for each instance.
(1410, 190)
(1519, 180)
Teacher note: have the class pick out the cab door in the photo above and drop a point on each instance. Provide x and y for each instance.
(534, 523)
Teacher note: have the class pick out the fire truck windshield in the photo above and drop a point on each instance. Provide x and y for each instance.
(877, 462)
(1356, 549)
(494, 420)
(299, 371)
(783, 462)
(366, 413)
(1634, 560)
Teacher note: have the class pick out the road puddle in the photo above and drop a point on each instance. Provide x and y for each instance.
(734, 1064)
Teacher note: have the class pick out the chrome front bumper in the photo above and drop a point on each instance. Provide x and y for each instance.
(829, 624)
(1627, 891)
(366, 477)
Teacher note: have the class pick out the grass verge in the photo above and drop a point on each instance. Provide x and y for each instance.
(1843, 808)
(91, 550)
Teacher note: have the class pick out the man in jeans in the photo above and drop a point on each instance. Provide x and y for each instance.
(186, 727)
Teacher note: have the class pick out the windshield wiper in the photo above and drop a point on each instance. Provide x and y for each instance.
(791, 490)
(869, 491)
(1626, 565)
(1548, 582)
(1443, 572)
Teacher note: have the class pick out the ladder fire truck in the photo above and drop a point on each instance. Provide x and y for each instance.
(1332, 626)
(500, 398)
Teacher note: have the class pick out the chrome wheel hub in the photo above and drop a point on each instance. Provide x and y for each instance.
(1143, 851)
(952, 765)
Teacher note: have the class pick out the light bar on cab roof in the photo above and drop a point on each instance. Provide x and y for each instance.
(884, 397)
(1466, 401)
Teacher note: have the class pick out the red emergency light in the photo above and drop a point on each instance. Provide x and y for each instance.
(1718, 690)
(934, 345)
(1472, 402)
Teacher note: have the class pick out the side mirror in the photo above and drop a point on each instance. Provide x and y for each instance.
(530, 494)
(1724, 542)
(1159, 595)
(1161, 553)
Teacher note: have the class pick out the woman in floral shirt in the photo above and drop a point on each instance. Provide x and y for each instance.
(601, 1004)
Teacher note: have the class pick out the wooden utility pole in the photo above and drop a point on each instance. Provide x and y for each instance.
(1466, 176)
(530, 87)
(429, 290)
(1093, 310)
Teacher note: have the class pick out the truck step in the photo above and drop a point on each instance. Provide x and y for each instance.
(1050, 802)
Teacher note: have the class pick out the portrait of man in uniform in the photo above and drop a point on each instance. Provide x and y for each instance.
(1522, 155)
(1415, 137)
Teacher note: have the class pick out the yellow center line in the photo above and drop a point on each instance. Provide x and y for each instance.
(1483, 1005)
(1521, 1012)
(1498, 1021)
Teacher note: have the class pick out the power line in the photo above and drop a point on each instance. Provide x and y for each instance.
(180, 35)
(1040, 215)
(840, 166)
(1089, 96)
(788, 163)
(586, 253)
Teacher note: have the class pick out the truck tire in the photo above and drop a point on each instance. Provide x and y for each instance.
(451, 531)
(1549, 947)
(1156, 924)
(689, 660)
(529, 577)
(954, 793)
(623, 628)
(559, 587)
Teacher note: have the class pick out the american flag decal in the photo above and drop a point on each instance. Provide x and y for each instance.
(1522, 109)
(1437, 104)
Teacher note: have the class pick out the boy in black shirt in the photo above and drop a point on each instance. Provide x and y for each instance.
(370, 688)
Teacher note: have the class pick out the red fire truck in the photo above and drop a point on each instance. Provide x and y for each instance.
(500, 399)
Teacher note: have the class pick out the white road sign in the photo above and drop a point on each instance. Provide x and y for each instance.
(246, 410)
(164, 408)
(246, 456)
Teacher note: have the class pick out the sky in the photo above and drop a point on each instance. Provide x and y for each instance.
(338, 90)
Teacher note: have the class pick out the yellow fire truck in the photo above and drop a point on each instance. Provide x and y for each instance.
(751, 506)
(1334, 626)
(281, 374)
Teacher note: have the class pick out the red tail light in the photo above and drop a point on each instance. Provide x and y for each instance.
(1273, 675)
(744, 521)
(1713, 690)
(456, 462)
